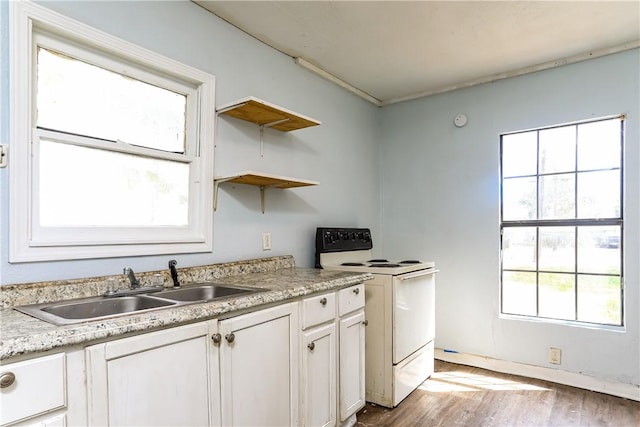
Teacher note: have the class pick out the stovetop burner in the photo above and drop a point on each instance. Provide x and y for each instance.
(352, 264)
(384, 265)
(410, 261)
(378, 260)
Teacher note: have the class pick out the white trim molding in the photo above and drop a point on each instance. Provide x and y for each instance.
(600, 385)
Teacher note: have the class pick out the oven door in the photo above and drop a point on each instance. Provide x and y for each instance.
(413, 312)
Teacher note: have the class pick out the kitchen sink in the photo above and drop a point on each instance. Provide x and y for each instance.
(97, 308)
(105, 307)
(86, 309)
(204, 292)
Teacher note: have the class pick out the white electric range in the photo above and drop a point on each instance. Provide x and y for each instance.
(399, 308)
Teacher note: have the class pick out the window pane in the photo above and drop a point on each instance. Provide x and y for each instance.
(557, 196)
(519, 248)
(82, 186)
(599, 145)
(557, 249)
(519, 293)
(557, 296)
(519, 199)
(76, 97)
(599, 249)
(599, 194)
(599, 299)
(519, 154)
(558, 150)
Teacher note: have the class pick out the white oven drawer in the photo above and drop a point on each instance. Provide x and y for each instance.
(318, 309)
(32, 387)
(350, 299)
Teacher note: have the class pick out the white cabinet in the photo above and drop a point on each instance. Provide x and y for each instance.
(333, 367)
(318, 398)
(352, 353)
(259, 368)
(33, 387)
(169, 377)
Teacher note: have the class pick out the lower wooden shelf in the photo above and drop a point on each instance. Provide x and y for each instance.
(260, 179)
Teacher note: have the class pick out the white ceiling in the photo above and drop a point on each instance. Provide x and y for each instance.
(390, 51)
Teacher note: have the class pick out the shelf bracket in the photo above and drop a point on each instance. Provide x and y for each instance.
(216, 184)
(268, 125)
(262, 188)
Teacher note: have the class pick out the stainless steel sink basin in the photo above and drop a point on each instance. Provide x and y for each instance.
(105, 307)
(86, 309)
(96, 308)
(203, 293)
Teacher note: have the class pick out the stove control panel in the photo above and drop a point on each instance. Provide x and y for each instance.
(342, 239)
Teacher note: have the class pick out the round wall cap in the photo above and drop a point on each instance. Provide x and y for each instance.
(460, 120)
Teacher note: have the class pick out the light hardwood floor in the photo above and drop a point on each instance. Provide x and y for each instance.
(458, 395)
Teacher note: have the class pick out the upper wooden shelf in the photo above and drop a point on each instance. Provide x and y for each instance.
(266, 114)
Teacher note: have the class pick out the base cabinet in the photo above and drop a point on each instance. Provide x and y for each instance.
(319, 372)
(352, 331)
(259, 368)
(263, 368)
(332, 383)
(33, 387)
(164, 378)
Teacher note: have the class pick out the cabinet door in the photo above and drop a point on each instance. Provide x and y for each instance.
(319, 376)
(352, 330)
(259, 368)
(166, 378)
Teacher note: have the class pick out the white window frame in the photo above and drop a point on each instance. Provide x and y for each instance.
(568, 222)
(33, 25)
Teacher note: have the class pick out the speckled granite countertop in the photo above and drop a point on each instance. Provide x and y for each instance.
(22, 334)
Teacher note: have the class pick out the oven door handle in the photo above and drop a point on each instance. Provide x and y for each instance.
(416, 274)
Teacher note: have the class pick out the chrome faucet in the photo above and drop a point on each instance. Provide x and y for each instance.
(134, 283)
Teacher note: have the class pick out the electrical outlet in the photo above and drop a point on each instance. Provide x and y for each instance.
(555, 356)
(266, 241)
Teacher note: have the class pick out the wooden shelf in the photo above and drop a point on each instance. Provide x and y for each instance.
(261, 180)
(266, 114)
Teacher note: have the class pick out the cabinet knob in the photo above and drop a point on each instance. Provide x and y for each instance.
(323, 301)
(7, 379)
(230, 337)
(311, 346)
(365, 323)
(216, 338)
(356, 291)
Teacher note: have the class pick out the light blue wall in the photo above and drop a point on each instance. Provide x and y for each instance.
(341, 153)
(440, 189)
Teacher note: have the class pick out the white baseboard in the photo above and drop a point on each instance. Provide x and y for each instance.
(614, 388)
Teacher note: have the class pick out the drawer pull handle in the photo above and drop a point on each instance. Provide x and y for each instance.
(323, 301)
(7, 379)
(216, 338)
(230, 338)
(356, 291)
(311, 345)
(365, 323)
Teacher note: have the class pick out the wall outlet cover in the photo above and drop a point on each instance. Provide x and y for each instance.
(266, 241)
(555, 356)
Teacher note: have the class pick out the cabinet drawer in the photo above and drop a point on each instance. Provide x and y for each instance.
(39, 386)
(350, 299)
(318, 309)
